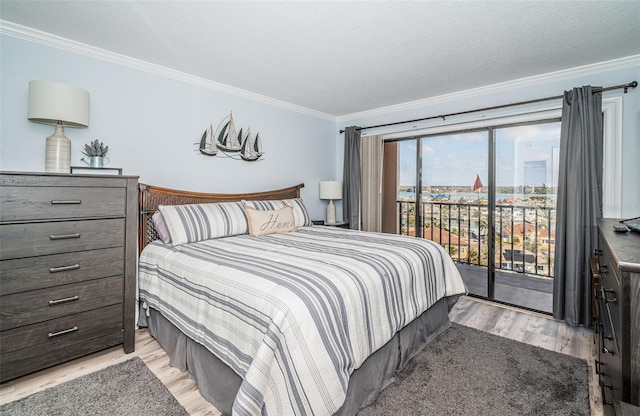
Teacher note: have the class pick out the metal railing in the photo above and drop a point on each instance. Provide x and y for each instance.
(524, 234)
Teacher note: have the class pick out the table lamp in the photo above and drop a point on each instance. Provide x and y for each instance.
(61, 105)
(331, 190)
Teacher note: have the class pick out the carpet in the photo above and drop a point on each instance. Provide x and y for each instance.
(128, 388)
(470, 372)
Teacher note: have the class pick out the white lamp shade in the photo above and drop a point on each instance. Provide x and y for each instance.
(331, 190)
(50, 102)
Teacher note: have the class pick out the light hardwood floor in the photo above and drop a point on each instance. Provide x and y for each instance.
(529, 327)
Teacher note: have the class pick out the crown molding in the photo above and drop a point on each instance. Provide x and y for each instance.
(614, 64)
(54, 41)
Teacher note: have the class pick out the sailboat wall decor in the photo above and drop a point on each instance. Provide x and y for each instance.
(251, 149)
(225, 141)
(207, 144)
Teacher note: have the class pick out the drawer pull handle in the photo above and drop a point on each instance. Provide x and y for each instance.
(63, 332)
(64, 268)
(604, 385)
(606, 298)
(64, 236)
(65, 300)
(598, 366)
(71, 202)
(597, 252)
(604, 334)
(605, 402)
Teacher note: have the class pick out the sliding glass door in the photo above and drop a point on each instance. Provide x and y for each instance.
(488, 197)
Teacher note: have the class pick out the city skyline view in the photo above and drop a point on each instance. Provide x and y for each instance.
(525, 155)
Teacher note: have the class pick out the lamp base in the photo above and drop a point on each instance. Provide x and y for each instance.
(58, 152)
(331, 213)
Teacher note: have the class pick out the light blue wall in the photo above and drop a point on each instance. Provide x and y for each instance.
(151, 123)
(540, 89)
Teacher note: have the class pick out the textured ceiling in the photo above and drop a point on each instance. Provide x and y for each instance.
(345, 57)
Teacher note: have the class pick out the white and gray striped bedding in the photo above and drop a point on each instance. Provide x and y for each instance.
(295, 314)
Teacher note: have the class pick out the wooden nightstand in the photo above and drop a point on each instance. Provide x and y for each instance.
(340, 224)
(67, 267)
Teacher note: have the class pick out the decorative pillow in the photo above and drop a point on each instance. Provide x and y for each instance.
(198, 222)
(161, 227)
(263, 222)
(300, 213)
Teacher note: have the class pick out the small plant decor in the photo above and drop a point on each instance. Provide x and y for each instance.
(95, 149)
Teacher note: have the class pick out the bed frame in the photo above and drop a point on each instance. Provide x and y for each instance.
(218, 383)
(150, 197)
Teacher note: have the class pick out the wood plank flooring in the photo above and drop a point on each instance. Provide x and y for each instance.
(529, 327)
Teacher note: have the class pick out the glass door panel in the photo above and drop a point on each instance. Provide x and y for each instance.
(526, 172)
(453, 209)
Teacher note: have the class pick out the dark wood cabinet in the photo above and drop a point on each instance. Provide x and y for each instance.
(617, 310)
(339, 224)
(67, 267)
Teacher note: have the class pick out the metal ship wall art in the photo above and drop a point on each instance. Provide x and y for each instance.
(225, 141)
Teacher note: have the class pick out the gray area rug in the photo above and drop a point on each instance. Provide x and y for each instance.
(128, 388)
(470, 372)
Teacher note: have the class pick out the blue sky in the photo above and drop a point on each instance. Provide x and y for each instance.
(456, 159)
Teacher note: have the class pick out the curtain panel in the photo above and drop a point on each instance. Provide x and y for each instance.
(351, 178)
(579, 204)
(372, 150)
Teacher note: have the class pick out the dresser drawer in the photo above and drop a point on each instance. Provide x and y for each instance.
(30, 348)
(31, 273)
(611, 292)
(41, 305)
(47, 203)
(39, 239)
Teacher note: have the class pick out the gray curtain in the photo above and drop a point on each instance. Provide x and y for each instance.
(579, 204)
(371, 149)
(351, 178)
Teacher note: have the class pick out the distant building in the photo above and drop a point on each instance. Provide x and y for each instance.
(454, 244)
(524, 231)
(447, 240)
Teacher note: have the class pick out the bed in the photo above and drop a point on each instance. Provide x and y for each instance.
(274, 316)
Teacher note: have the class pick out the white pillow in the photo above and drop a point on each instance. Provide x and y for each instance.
(161, 227)
(198, 222)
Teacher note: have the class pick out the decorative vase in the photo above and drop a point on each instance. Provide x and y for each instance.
(96, 161)
(58, 152)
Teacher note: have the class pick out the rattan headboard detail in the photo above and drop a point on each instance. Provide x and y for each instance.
(152, 196)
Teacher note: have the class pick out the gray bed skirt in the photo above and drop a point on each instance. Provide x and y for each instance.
(219, 384)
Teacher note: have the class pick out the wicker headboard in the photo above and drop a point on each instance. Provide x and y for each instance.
(152, 196)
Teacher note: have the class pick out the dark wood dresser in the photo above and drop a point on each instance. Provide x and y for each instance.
(67, 267)
(618, 315)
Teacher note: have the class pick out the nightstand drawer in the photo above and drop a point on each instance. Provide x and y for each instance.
(31, 273)
(30, 348)
(38, 239)
(47, 203)
(41, 305)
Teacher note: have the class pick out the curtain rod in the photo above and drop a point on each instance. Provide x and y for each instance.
(632, 84)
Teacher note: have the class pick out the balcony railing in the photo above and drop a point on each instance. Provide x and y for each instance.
(524, 234)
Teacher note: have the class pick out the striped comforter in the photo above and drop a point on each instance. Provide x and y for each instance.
(295, 314)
